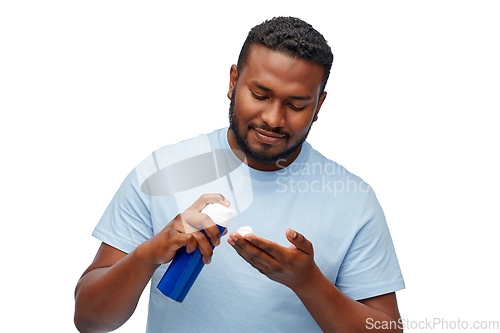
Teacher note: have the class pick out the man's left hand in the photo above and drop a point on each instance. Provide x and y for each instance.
(293, 266)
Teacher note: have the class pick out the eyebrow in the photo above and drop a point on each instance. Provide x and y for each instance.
(299, 98)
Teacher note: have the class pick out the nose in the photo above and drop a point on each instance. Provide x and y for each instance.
(274, 114)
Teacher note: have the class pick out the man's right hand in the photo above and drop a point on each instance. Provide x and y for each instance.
(184, 230)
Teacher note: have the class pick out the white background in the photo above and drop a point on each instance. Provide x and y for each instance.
(88, 89)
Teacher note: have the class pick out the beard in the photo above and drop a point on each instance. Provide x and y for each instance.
(260, 155)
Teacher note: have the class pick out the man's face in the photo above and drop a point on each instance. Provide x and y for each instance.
(273, 105)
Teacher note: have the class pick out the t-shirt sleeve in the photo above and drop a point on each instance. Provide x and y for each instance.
(126, 223)
(370, 267)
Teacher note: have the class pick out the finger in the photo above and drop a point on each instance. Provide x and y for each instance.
(213, 234)
(204, 246)
(194, 221)
(217, 242)
(273, 249)
(253, 257)
(206, 199)
(259, 251)
(205, 223)
(169, 244)
(299, 241)
(191, 244)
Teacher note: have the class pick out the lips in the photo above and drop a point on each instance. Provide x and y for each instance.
(268, 137)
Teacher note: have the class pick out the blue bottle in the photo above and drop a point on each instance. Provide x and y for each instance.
(185, 267)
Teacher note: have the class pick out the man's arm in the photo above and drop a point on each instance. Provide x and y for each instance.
(295, 267)
(109, 290)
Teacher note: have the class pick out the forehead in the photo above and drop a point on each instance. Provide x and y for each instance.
(277, 70)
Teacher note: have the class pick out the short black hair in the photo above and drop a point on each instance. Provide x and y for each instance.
(291, 36)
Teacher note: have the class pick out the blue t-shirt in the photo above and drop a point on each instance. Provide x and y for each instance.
(334, 209)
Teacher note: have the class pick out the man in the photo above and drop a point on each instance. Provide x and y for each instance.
(278, 185)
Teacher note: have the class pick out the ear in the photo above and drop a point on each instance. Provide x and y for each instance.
(320, 102)
(233, 77)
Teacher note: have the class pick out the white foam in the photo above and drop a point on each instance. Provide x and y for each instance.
(245, 230)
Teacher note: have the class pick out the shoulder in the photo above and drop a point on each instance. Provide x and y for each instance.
(317, 165)
(182, 150)
(153, 172)
(337, 185)
(197, 145)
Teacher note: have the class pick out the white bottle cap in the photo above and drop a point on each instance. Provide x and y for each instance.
(218, 213)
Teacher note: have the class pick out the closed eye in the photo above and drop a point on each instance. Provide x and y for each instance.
(260, 98)
(263, 98)
(296, 108)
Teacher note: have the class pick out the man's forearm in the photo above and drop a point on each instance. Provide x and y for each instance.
(335, 312)
(106, 297)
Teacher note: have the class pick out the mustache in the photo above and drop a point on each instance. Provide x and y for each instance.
(268, 128)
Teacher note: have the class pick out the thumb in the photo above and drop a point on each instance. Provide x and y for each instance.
(299, 241)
